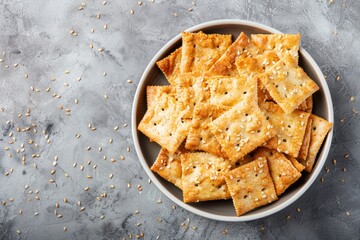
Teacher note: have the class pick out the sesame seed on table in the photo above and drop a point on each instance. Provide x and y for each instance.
(68, 74)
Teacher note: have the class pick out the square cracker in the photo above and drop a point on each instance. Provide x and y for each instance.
(304, 150)
(288, 84)
(203, 177)
(242, 129)
(290, 128)
(170, 65)
(168, 165)
(225, 66)
(251, 186)
(166, 122)
(228, 91)
(283, 172)
(200, 51)
(281, 44)
(319, 130)
(200, 137)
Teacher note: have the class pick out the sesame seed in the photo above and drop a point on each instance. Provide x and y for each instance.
(122, 157)
(132, 11)
(104, 2)
(347, 213)
(92, 30)
(105, 26)
(18, 231)
(76, 101)
(139, 3)
(128, 185)
(116, 128)
(298, 209)
(86, 188)
(89, 176)
(110, 140)
(111, 176)
(36, 213)
(129, 81)
(82, 209)
(65, 229)
(352, 98)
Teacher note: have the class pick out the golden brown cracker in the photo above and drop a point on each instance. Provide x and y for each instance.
(288, 84)
(319, 130)
(282, 44)
(225, 65)
(296, 163)
(282, 171)
(200, 136)
(203, 177)
(200, 51)
(290, 128)
(251, 186)
(154, 92)
(166, 122)
(242, 129)
(170, 65)
(168, 165)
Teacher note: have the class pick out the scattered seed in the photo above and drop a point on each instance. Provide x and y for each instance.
(105, 96)
(15, 65)
(52, 172)
(158, 201)
(82, 209)
(102, 217)
(105, 26)
(129, 81)
(89, 176)
(18, 232)
(128, 149)
(111, 176)
(334, 162)
(128, 185)
(100, 149)
(36, 213)
(92, 30)
(101, 49)
(78, 203)
(139, 3)
(347, 213)
(132, 11)
(116, 128)
(298, 209)
(77, 135)
(88, 148)
(65, 229)
(110, 140)
(86, 188)
(122, 157)
(352, 98)
(76, 101)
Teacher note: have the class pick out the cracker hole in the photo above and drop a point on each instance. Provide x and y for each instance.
(314, 128)
(154, 124)
(194, 167)
(263, 189)
(201, 139)
(226, 93)
(271, 154)
(246, 114)
(245, 92)
(267, 118)
(256, 175)
(289, 126)
(226, 129)
(245, 196)
(196, 185)
(258, 131)
(162, 109)
(284, 140)
(219, 170)
(238, 180)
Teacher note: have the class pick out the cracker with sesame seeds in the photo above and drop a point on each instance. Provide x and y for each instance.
(290, 128)
(242, 129)
(282, 171)
(304, 149)
(200, 137)
(296, 163)
(319, 130)
(166, 122)
(203, 177)
(200, 51)
(281, 44)
(288, 84)
(228, 91)
(170, 65)
(225, 66)
(168, 165)
(251, 186)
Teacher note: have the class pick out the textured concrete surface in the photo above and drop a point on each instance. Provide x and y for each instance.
(42, 57)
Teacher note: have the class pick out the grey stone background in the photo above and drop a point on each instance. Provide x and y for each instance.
(40, 52)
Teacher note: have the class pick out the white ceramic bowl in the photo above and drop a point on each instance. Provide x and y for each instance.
(224, 210)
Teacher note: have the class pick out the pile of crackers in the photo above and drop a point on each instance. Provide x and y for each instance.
(236, 120)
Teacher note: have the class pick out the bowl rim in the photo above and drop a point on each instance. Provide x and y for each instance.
(321, 161)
